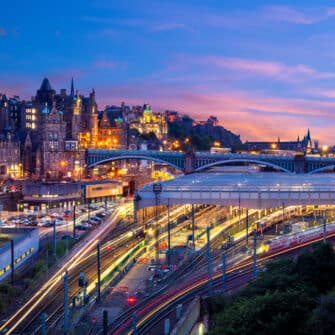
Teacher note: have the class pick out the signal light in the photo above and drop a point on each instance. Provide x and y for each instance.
(131, 300)
(109, 247)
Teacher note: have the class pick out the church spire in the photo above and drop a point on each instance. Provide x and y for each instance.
(72, 88)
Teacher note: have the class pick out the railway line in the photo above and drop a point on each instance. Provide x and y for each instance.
(150, 313)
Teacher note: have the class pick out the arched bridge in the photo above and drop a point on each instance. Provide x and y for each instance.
(199, 161)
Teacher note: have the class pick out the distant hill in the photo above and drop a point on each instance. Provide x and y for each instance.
(202, 136)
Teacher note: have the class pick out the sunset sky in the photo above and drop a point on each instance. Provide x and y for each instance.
(266, 69)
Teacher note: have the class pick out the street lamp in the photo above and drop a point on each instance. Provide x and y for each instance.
(239, 204)
(157, 189)
(325, 149)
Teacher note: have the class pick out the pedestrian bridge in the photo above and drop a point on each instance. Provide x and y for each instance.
(255, 190)
(200, 161)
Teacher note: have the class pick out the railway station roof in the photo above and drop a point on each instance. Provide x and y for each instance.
(250, 190)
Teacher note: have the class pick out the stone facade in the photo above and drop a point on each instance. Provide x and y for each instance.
(51, 146)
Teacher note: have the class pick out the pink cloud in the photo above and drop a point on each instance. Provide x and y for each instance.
(251, 114)
(275, 70)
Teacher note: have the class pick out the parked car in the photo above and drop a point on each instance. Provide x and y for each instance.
(58, 222)
(81, 227)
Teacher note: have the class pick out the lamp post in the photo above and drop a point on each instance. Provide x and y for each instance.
(209, 262)
(169, 234)
(157, 189)
(74, 221)
(325, 227)
(255, 253)
(239, 204)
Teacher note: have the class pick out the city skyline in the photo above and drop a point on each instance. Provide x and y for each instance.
(265, 70)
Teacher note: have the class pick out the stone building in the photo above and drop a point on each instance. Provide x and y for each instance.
(53, 127)
(10, 164)
(149, 122)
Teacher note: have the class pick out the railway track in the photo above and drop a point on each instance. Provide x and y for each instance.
(159, 304)
(53, 306)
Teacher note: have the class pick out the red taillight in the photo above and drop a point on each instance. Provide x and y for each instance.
(131, 300)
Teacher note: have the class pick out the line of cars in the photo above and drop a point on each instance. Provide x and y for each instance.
(41, 220)
(92, 221)
(34, 220)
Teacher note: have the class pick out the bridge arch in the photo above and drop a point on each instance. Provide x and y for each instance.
(242, 160)
(322, 169)
(147, 158)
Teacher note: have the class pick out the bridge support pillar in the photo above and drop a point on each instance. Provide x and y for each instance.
(189, 162)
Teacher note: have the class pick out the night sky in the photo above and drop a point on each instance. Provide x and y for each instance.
(266, 69)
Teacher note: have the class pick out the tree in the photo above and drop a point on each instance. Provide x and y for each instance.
(317, 268)
(322, 320)
(273, 313)
(285, 299)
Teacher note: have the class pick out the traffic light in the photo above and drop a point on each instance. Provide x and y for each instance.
(131, 300)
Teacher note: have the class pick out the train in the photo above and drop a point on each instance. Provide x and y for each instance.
(273, 218)
(294, 239)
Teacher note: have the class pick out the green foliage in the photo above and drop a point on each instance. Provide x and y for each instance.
(177, 130)
(38, 269)
(283, 300)
(63, 245)
(28, 282)
(322, 320)
(148, 136)
(273, 313)
(317, 268)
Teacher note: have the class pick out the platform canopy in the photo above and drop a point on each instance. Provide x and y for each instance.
(249, 190)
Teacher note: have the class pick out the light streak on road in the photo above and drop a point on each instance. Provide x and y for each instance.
(33, 302)
(183, 291)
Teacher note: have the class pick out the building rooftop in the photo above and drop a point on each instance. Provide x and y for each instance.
(45, 86)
